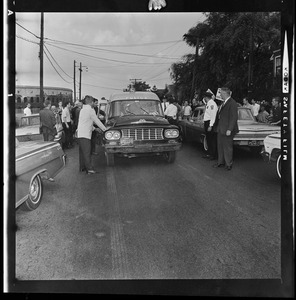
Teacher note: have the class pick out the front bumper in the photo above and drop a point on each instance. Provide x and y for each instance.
(142, 148)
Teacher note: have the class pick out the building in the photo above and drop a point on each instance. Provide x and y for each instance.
(31, 94)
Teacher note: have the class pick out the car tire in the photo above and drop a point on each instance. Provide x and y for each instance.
(110, 159)
(205, 143)
(170, 156)
(35, 194)
(279, 166)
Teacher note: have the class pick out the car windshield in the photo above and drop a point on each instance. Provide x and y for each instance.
(135, 107)
(245, 114)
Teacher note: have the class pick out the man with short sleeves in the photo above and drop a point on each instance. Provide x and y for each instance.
(209, 120)
(27, 110)
(87, 117)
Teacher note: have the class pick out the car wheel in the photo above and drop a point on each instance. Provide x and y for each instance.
(110, 159)
(35, 194)
(205, 143)
(279, 165)
(170, 156)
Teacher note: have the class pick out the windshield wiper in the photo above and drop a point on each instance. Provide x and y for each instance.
(144, 110)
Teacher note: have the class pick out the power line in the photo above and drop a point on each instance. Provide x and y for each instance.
(54, 67)
(27, 30)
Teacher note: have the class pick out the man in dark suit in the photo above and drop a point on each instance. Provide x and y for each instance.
(227, 127)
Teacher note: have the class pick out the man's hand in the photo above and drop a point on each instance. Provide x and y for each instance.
(228, 132)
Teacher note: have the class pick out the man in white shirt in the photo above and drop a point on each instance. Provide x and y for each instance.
(171, 113)
(255, 107)
(209, 120)
(67, 125)
(27, 110)
(87, 117)
(186, 110)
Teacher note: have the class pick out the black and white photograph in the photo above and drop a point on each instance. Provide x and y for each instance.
(148, 147)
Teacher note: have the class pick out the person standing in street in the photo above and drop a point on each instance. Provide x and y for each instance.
(27, 110)
(255, 108)
(209, 121)
(171, 112)
(94, 135)
(47, 122)
(227, 127)
(67, 125)
(87, 117)
(246, 103)
(164, 104)
(276, 112)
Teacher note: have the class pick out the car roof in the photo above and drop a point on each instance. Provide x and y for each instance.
(134, 95)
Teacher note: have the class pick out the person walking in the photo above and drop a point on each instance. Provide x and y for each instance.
(27, 110)
(47, 122)
(209, 121)
(87, 117)
(227, 127)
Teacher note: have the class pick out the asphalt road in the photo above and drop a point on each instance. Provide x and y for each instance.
(147, 219)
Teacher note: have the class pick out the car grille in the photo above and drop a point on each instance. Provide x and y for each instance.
(143, 134)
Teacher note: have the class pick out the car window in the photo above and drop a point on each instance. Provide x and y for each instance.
(135, 107)
(245, 115)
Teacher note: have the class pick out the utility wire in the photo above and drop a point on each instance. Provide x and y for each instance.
(27, 30)
(55, 68)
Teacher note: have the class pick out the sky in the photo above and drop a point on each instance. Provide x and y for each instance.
(113, 48)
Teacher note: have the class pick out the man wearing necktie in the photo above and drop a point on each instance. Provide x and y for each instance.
(227, 127)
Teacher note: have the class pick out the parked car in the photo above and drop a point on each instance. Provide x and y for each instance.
(136, 126)
(272, 151)
(35, 161)
(251, 133)
(29, 130)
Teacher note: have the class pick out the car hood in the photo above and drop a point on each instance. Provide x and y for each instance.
(257, 127)
(137, 120)
(25, 148)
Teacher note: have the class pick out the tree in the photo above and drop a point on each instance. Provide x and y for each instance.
(233, 49)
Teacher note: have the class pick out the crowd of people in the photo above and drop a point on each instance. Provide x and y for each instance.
(220, 120)
(80, 123)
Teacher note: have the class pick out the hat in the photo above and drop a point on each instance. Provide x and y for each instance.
(208, 94)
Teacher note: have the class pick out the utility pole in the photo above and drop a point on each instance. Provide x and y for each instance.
(135, 80)
(74, 81)
(80, 69)
(41, 58)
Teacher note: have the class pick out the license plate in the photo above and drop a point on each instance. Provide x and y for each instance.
(254, 143)
(126, 141)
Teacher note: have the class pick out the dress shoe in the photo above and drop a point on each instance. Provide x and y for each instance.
(228, 168)
(218, 165)
(89, 172)
(206, 156)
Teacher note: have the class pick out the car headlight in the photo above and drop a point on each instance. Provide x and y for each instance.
(171, 133)
(112, 135)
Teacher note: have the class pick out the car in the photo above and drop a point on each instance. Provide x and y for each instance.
(136, 126)
(29, 129)
(272, 151)
(251, 133)
(35, 161)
